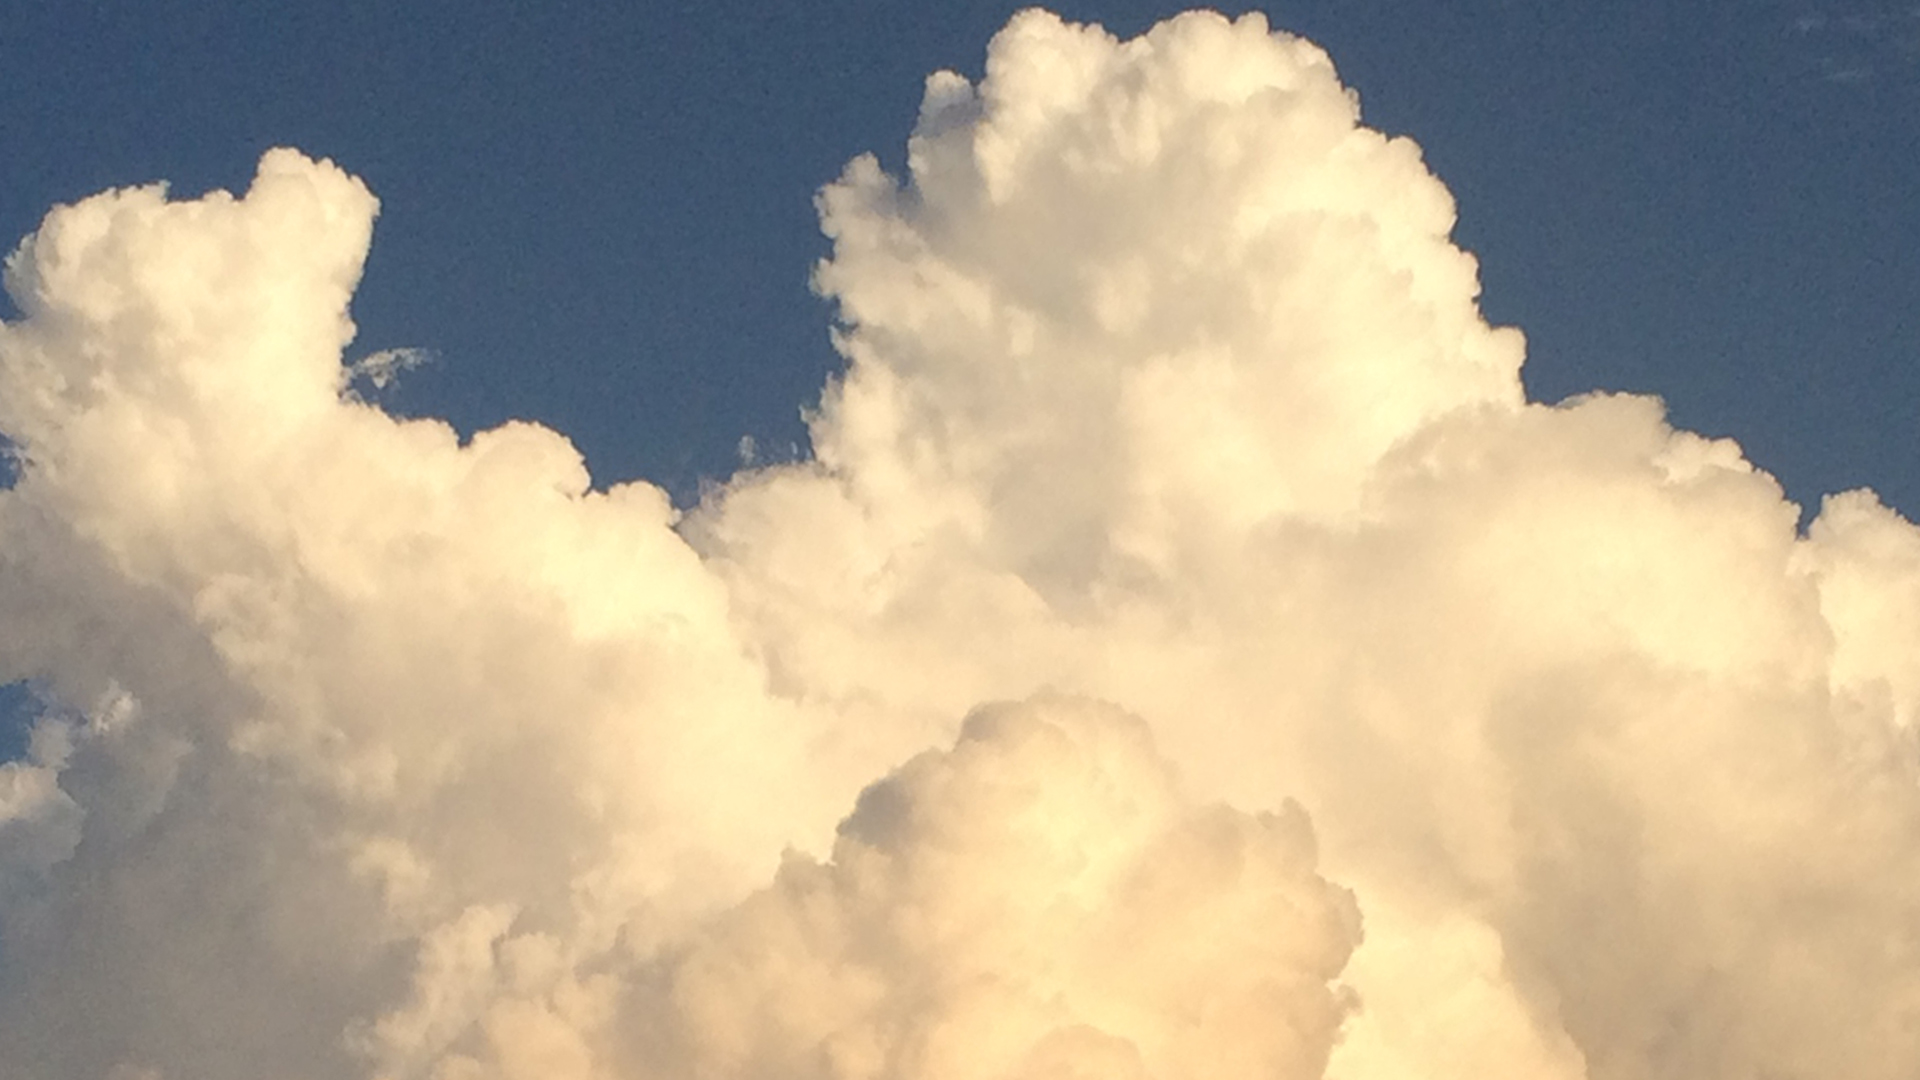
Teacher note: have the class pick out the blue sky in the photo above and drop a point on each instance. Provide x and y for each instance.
(599, 215)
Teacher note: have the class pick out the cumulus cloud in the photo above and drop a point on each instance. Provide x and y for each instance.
(1212, 662)
(1038, 901)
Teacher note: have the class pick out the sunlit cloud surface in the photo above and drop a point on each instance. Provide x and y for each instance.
(1184, 655)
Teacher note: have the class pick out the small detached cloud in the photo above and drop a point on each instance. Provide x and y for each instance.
(1856, 43)
(381, 369)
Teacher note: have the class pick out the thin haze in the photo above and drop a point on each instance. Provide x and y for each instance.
(1186, 653)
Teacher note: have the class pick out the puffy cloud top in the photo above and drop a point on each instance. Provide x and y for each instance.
(1038, 901)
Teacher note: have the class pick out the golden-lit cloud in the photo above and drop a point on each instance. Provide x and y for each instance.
(1185, 654)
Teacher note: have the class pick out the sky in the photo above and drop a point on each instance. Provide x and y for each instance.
(867, 544)
(600, 216)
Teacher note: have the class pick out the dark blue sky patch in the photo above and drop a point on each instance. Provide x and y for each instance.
(19, 708)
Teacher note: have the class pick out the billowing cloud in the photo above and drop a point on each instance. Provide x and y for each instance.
(1039, 901)
(1187, 653)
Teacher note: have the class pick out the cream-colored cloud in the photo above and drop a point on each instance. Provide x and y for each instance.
(376, 679)
(1040, 900)
(1169, 418)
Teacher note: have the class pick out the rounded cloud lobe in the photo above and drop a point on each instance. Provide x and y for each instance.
(1174, 477)
(1038, 901)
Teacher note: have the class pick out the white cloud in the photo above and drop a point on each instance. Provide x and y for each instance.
(1165, 389)
(1038, 901)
